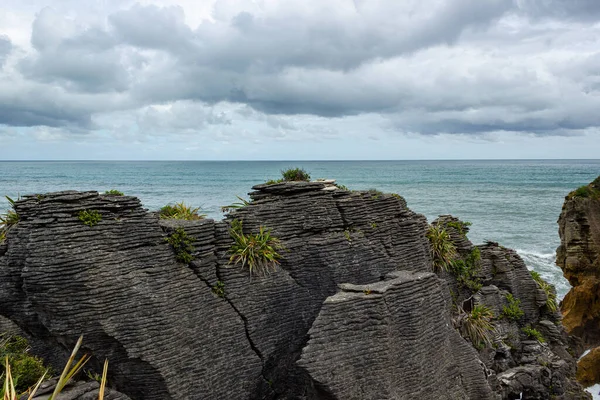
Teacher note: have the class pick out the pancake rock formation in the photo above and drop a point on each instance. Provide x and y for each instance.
(579, 258)
(355, 310)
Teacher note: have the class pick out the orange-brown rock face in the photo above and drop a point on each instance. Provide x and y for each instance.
(588, 369)
(579, 258)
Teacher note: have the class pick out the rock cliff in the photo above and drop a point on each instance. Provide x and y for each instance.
(579, 258)
(353, 311)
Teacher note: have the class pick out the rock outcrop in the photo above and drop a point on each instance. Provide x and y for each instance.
(579, 258)
(353, 311)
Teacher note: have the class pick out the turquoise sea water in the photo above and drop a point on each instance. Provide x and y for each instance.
(515, 203)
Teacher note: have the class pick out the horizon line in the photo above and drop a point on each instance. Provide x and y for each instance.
(311, 160)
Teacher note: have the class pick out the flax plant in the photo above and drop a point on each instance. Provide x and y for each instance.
(180, 211)
(258, 252)
(443, 251)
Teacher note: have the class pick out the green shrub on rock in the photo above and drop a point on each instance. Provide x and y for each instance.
(113, 192)
(7, 220)
(512, 311)
(443, 251)
(258, 252)
(26, 369)
(466, 270)
(533, 334)
(180, 211)
(547, 288)
(89, 217)
(295, 174)
(182, 245)
(477, 325)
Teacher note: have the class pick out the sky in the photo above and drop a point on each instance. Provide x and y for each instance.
(299, 79)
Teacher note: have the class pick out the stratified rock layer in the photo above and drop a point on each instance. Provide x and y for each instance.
(579, 258)
(169, 335)
(396, 333)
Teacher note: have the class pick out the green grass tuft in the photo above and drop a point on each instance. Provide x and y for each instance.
(182, 245)
(258, 252)
(533, 334)
(180, 211)
(8, 220)
(477, 325)
(512, 311)
(219, 289)
(113, 192)
(25, 368)
(551, 303)
(443, 251)
(89, 217)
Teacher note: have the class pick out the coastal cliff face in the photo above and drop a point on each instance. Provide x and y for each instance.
(579, 258)
(354, 311)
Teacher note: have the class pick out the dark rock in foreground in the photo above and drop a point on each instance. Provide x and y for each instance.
(293, 334)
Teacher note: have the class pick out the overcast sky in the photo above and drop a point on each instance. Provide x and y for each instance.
(299, 79)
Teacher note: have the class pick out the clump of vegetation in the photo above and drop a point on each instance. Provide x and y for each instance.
(347, 235)
(342, 187)
(443, 251)
(375, 194)
(89, 217)
(295, 174)
(533, 334)
(477, 325)
(219, 289)
(461, 226)
(258, 252)
(26, 369)
(180, 211)
(591, 191)
(182, 245)
(547, 288)
(466, 270)
(113, 192)
(512, 311)
(13, 379)
(8, 220)
(273, 181)
(238, 204)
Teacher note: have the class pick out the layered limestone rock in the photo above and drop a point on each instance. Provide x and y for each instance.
(579, 258)
(351, 310)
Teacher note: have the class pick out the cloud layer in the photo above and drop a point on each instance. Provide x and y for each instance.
(300, 69)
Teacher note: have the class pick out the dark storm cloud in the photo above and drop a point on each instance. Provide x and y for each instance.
(436, 66)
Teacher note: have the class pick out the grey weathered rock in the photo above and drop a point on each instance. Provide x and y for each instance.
(168, 336)
(398, 335)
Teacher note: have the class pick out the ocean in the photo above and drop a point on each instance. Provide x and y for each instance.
(513, 202)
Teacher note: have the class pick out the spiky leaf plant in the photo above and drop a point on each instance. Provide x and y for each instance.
(180, 211)
(443, 251)
(477, 325)
(8, 220)
(258, 252)
(547, 288)
(8, 391)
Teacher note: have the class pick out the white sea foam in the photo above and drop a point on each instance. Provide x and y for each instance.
(545, 265)
(594, 390)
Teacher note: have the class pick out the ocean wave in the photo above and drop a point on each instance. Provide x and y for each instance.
(544, 263)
